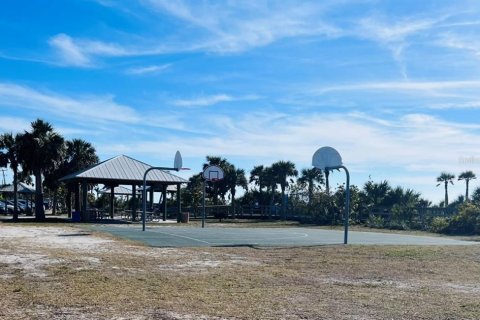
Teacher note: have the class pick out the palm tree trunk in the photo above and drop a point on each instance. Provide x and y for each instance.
(15, 196)
(233, 202)
(272, 199)
(327, 182)
(284, 211)
(466, 192)
(310, 196)
(446, 194)
(39, 211)
(54, 203)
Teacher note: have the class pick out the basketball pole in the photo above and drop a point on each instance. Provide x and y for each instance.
(203, 206)
(347, 202)
(144, 191)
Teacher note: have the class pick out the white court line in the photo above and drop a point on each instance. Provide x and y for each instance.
(189, 238)
(262, 239)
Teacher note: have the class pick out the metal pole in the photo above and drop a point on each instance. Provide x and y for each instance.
(347, 202)
(144, 192)
(347, 206)
(203, 206)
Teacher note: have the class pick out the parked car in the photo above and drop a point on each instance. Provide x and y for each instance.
(5, 207)
(20, 206)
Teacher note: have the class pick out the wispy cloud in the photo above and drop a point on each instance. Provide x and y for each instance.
(13, 124)
(93, 108)
(69, 52)
(82, 52)
(423, 86)
(154, 69)
(464, 42)
(394, 33)
(414, 141)
(239, 26)
(205, 101)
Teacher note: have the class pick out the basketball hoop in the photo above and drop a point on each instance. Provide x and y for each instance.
(213, 173)
(327, 158)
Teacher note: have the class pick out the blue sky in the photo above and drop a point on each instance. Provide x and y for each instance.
(394, 86)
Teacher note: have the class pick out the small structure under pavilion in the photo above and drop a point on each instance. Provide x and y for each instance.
(120, 171)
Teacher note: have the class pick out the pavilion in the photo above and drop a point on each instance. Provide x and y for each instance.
(22, 188)
(120, 170)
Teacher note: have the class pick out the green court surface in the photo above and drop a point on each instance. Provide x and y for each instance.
(178, 236)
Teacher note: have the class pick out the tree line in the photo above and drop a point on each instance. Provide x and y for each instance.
(43, 153)
(375, 204)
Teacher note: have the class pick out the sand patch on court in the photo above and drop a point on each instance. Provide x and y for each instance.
(30, 249)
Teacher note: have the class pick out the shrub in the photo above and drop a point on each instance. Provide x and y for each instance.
(375, 222)
(439, 225)
(467, 221)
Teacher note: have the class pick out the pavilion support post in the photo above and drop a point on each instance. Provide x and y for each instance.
(77, 196)
(84, 201)
(164, 198)
(134, 202)
(151, 198)
(179, 204)
(112, 201)
(69, 200)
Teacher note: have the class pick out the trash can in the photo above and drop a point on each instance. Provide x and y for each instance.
(185, 217)
(76, 216)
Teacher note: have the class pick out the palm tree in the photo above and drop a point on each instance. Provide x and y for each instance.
(327, 182)
(218, 188)
(467, 176)
(79, 154)
(476, 195)
(9, 145)
(235, 177)
(270, 181)
(282, 170)
(41, 150)
(257, 176)
(376, 192)
(445, 178)
(310, 177)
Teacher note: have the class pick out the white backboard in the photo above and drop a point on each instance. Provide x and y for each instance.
(177, 163)
(326, 157)
(213, 173)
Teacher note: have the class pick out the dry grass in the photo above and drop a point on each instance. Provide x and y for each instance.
(58, 272)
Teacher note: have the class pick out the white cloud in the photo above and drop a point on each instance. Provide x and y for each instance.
(70, 53)
(82, 52)
(94, 108)
(13, 124)
(466, 43)
(154, 69)
(411, 146)
(205, 101)
(416, 86)
(239, 26)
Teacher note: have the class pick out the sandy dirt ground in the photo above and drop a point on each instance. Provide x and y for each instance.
(62, 272)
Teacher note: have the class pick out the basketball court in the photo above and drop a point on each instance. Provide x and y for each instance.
(179, 236)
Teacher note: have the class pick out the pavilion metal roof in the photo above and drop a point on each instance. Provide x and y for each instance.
(121, 190)
(123, 170)
(118, 190)
(21, 188)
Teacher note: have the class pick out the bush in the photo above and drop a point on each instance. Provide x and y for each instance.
(466, 222)
(439, 225)
(375, 222)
